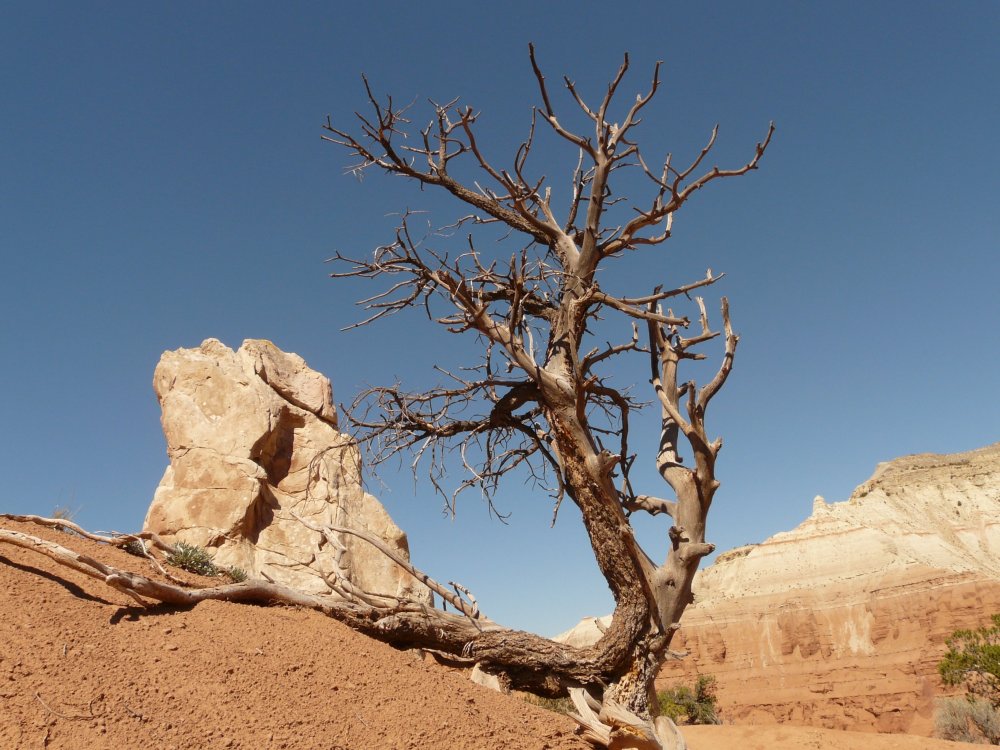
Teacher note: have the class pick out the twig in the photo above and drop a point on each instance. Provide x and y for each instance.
(61, 716)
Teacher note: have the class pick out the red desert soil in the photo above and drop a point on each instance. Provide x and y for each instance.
(773, 737)
(82, 667)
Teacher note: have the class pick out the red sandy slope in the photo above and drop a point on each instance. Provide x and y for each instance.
(82, 667)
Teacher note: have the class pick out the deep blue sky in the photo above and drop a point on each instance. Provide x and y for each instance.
(162, 180)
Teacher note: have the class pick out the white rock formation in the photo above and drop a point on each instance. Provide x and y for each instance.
(924, 511)
(252, 437)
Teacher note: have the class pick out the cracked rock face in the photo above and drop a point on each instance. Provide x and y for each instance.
(252, 439)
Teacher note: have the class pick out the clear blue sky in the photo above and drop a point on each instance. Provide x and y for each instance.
(162, 180)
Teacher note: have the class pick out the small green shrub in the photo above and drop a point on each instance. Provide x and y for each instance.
(969, 719)
(135, 547)
(687, 705)
(973, 660)
(236, 575)
(683, 704)
(193, 559)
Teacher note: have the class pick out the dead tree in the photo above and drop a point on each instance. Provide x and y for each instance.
(540, 400)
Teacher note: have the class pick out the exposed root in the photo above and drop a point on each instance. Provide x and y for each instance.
(116, 540)
(613, 726)
(531, 662)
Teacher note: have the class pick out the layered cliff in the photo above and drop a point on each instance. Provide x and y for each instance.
(841, 621)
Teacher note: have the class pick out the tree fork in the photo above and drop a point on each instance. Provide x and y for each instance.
(542, 410)
(558, 269)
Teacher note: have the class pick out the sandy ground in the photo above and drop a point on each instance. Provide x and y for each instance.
(82, 667)
(805, 738)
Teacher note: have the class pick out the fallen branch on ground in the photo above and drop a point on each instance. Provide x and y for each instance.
(467, 637)
(532, 663)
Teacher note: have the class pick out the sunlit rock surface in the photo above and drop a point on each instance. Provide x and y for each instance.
(252, 440)
(841, 622)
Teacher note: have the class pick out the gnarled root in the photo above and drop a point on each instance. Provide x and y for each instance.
(528, 661)
(613, 726)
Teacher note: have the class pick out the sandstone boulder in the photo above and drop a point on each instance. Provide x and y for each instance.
(252, 438)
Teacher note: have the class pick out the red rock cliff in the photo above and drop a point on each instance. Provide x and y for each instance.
(840, 622)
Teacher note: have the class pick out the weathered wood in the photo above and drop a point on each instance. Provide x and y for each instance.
(538, 400)
(538, 414)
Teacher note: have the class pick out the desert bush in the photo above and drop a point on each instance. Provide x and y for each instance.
(684, 704)
(691, 705)
(973, 660)
(236, 575)
(969, 719)
(193, 559)
(135, 547)
(64, 513)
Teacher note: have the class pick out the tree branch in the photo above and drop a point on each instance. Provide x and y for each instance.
(555, 415)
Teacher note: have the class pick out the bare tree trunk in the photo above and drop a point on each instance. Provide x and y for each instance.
(538, 406)
(552, 411)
